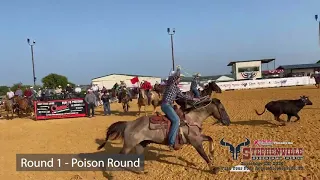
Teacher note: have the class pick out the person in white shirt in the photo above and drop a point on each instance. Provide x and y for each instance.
(10, 94)
(95, 88)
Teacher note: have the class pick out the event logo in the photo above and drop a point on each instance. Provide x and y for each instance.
(235, 150)
(249, 75)
(55, 108)
(272, 153)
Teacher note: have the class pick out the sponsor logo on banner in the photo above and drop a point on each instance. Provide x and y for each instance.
(260, 156)
(244, 84)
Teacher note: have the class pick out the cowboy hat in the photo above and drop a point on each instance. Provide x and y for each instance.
(197, 75)
(31, 87)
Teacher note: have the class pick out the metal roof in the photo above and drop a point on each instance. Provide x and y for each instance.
(299, 66)
(124, 75)
(262, 61)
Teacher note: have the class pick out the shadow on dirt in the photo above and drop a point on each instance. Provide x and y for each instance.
(151, 154)
(255, 123)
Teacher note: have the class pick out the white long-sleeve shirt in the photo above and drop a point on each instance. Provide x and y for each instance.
(10, 94)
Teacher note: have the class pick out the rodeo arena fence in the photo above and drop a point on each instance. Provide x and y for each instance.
(75, 106)
(259, 83)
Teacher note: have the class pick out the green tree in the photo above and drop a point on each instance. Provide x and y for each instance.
(318, 62)
(54, 80)
(3, 90)
(15, 87)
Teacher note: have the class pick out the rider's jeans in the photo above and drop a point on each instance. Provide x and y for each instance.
(196, 93)
(174, 118)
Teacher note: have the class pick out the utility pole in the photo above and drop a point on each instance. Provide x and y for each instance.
(171, 33)
(316, 17)
(34, 74)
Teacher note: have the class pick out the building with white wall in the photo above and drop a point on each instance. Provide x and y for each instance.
(250, 69)
(300, 69)
(109, 80)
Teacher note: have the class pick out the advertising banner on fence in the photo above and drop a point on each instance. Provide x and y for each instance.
(60, 109)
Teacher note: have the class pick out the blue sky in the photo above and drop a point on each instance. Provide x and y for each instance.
(85, 39)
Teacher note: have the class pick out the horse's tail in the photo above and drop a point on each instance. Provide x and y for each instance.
(260, 113)
(116, 131)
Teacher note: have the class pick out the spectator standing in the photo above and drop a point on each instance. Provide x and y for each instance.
(106, 103)
(91, 102)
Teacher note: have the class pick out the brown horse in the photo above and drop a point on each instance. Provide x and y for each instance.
(143, 100)
(125, 100)
(158, 88)
(23, 105)
(145, 130)
(8, 107)
(317, 79)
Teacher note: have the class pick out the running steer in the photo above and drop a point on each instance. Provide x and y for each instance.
(288, 107)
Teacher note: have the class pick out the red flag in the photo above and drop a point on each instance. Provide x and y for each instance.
(134, 80)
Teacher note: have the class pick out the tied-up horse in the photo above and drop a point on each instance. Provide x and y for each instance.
(141, 132)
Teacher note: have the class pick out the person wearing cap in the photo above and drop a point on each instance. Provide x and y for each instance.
(58, 90)
(69, 89)
(194, 85)
(171, 93)
(105, 98)
(123, 87)
(146, 86)
(91, 100)
(77, 89)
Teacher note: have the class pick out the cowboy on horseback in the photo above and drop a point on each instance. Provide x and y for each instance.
(28, 93)
(147, 87)
(194, 84)
(18, 92)
(172, 92)
(123, 87)
(10, 95)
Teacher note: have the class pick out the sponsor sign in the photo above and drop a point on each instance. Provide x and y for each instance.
(60, 109)
(261, 156)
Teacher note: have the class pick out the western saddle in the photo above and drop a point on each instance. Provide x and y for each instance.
(162, 122)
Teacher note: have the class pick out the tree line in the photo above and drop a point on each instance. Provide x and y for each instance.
(50, 81)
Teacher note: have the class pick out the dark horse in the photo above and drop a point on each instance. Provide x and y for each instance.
(317, 79)
(141, 132)
(207, 90)
(125, 100)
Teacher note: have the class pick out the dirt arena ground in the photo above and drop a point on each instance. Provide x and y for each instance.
(81, 135)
